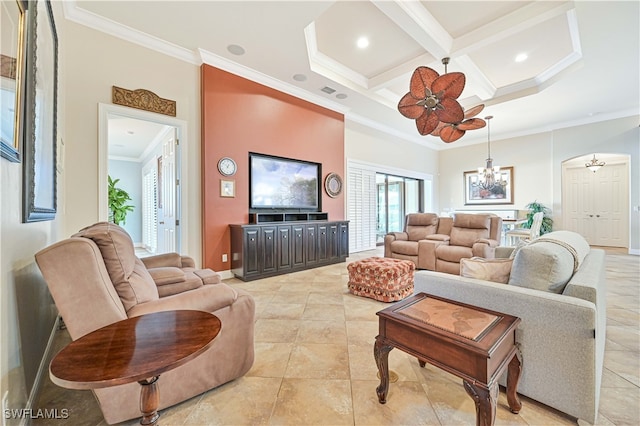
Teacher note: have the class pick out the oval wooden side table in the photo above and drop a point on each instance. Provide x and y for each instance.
(137, 349)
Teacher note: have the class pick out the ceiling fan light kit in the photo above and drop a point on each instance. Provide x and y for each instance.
(432, 103)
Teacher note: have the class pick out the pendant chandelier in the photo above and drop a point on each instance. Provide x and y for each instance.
(489, 176)
(594, 165)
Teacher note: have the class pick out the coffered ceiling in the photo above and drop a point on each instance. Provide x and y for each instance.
(582, 57)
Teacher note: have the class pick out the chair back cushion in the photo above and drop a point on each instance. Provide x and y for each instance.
(469, 228)
(128, 274)
(419, 225)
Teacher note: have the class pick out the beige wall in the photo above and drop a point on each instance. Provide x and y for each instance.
(95, 63)
(532, 173)
(370, 146)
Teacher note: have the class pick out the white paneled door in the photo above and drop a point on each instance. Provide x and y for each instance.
(596, 205)
(167, 202)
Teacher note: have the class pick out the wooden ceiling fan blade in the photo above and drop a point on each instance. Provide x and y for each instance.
(473, 111)
(421, 79)
(452, 112)
(427, 123)
(451, 84)
(472, 124)
(438, 129)
(409, 108)
(451, 134)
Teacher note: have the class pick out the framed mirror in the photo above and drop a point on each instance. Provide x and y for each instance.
(12, 48)
(39, 148)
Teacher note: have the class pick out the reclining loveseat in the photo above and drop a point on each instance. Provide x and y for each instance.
(438, 243)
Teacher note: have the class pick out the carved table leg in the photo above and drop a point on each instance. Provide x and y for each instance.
(513, 377)
(149, 401)
(486, 401)
(381, 354)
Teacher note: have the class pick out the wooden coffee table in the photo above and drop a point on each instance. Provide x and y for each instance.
(137, 349)
(472, 343)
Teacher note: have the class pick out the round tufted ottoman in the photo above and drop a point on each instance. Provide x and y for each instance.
(381, 278)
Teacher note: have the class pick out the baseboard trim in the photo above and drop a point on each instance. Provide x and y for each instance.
(43, 369)
(226, 274)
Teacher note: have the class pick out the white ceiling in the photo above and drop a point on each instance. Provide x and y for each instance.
(583, 57)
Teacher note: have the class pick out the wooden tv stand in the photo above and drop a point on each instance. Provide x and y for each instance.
(273, 247)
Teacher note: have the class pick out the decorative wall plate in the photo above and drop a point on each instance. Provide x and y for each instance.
(333, 185)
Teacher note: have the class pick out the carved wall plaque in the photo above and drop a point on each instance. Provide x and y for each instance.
(143, 99)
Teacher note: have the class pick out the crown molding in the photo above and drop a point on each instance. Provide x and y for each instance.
(258, 77)
(83, 17)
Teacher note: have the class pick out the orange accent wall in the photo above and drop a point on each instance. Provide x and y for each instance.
(240, 116)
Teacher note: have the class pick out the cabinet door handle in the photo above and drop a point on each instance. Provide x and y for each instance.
(284, 236)
(590, 215)
(253, 239)
(597, 215)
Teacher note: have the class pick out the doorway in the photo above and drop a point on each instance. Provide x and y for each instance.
(142, 150)
(396, 197)
(596, 204)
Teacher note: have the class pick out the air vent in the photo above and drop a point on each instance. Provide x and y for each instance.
(327, 89)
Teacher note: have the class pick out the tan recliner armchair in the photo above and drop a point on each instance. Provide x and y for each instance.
(96, 279)
(470, 235)
(415, 243)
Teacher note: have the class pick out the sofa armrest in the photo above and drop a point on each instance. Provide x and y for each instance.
(438, 237)
(187, 262)
(391, 237)
(208, 298)
(490, 243)
(485, 248)
(559, 336)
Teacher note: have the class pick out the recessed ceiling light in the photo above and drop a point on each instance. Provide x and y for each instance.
(341, 96)
(235, 49)
(362, 42)
(521, 57)
(300, 77)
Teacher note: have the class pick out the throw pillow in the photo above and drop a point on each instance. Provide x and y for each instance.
(496, 270)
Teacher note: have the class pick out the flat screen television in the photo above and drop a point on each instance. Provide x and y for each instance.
(278, 183)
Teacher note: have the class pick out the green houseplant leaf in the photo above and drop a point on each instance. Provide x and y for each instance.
(118, 207)
(547, 223)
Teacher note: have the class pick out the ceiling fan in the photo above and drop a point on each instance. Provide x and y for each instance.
(432, 102)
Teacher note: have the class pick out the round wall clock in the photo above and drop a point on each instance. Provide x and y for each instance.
(227, 167)
(333, 185)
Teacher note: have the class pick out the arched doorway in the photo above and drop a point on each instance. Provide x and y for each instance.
(596, 204)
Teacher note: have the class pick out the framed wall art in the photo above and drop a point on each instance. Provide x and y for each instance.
(227, 188)
(39, 188)
(500, 193)
(12, 56)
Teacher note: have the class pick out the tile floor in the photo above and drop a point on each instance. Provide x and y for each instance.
(314, 365)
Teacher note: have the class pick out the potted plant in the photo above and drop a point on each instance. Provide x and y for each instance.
(547, 223)
(118, 207)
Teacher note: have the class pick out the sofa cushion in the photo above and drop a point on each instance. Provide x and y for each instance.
(549, 262)
(495, 270)
(128, 274)
(451, 253)
(419, 225)
(408, 248)
(469, 228)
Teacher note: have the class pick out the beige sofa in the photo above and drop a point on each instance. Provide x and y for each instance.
(96, 279)
(438, 243)
(556, 285)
